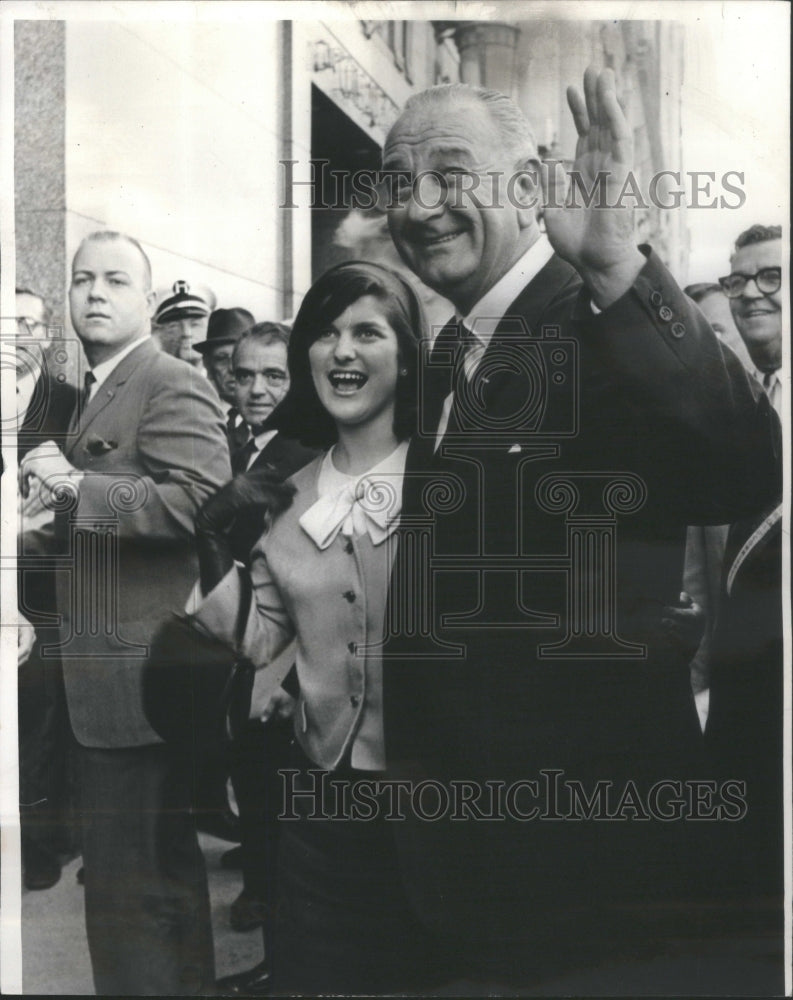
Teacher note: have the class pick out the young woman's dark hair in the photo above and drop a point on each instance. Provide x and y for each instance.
(300, 415)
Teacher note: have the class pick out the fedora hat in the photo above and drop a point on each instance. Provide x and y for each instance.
(226, 326)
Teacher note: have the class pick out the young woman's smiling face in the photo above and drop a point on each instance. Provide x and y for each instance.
(355, 364)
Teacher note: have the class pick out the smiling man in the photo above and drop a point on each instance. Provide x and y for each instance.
(573, 366)
(146, 448)
(754, 290)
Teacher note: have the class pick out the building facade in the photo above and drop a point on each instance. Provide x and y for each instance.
(219, 144)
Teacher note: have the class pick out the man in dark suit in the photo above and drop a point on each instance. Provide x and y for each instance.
(576, 414)
(45, 403)
(744, 733)
(261, 381)
(146, 448)
(224, 329)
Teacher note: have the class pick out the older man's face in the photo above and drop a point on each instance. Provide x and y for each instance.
(32, 333)
(758, 316)
(461, 241)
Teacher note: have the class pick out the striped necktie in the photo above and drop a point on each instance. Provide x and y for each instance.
(470, 351)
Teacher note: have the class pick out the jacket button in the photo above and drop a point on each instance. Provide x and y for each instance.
(656, 298)
(678, 330)
(665, 313)
(351, 647)
(355, 701)
(349, 595)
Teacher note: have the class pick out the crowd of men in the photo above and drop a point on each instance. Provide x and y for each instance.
(120, 468)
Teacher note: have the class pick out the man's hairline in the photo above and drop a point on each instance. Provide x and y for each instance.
(466, 100)
(757, 243)
(119, 238)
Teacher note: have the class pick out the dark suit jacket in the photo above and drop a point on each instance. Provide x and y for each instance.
(641, 396)
(47, 417)
(153, 447)
(744, 734)
(282, 457)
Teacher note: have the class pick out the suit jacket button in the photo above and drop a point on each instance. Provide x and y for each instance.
(678, 330)
(665, 313)
(656, 298)
(349, 595)
(355, 701)
(351, 647)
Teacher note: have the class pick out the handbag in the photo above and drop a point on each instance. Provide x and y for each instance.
(197, 687)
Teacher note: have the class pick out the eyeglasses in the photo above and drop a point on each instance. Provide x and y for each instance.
(274, 378)
(27, 327)
(767, 279)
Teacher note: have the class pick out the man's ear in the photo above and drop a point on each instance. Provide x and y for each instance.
(151, 302)
(525, 191)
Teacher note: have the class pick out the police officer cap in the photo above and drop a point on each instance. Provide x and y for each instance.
(184, 301)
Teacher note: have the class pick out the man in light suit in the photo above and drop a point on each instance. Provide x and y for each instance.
(147, 448)
(576, 399)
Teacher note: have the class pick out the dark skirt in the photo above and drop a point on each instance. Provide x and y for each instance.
(343, 922)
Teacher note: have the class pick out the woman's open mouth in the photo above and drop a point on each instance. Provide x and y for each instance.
(347, 382)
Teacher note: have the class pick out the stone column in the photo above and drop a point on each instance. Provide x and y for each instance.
(39, 160)
(487, 53)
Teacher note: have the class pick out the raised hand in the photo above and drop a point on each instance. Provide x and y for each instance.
(587, 221)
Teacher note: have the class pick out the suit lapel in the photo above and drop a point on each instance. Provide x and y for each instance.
(521, 325)
(107, 391)
(273, 455)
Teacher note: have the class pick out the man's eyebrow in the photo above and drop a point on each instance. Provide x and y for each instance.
(87, 270)
(441, 149)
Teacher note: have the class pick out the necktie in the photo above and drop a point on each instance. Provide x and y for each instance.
(82, 400)
(236, 434)
(773, 388)
(469, 353)
(240, 458)
(88, 382)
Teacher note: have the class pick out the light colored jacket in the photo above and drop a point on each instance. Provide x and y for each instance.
(333, 602)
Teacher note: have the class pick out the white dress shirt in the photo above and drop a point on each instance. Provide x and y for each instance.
(484, 317)
(102, 371)
(260, 442)
(25, 388)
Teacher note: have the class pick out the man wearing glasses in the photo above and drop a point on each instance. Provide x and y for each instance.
(45, 403)
(744, 733)
(753, 288)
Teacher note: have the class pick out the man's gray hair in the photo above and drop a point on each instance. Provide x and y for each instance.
(107, 236)
(513, 125)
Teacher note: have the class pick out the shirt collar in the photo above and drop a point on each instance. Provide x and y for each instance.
(262, 439)
(488, 312)
(26, 385)
(104, 368)
(369, 503)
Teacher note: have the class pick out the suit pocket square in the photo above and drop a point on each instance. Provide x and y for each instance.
(98, 446)
(514, 449)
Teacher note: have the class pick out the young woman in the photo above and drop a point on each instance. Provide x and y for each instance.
(320, 575)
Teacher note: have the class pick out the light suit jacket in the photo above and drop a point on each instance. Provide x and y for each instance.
(153, 447)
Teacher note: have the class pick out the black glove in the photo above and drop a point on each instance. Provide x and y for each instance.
(259, 492)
